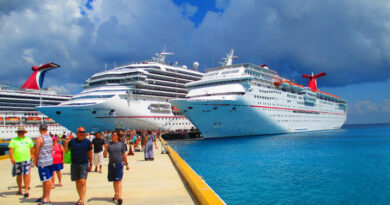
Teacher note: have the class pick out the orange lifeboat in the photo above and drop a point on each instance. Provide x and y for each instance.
(1, 119)
(33, 119)
(49, 120)
(12, 120)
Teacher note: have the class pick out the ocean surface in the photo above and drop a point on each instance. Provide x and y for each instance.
(346, 166)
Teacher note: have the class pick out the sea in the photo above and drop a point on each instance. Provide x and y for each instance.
(346, 166)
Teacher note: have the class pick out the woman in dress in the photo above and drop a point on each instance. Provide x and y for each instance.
(148, 150)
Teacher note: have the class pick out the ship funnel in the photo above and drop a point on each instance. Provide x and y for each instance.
(196, 65)
(312, 80)
(35, 81)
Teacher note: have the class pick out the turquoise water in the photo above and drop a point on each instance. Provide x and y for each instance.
(346, 166)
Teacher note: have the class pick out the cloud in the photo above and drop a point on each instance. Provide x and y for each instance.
(188, 10)
(348, 40)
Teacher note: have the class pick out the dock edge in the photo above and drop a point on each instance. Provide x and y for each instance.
(203, 193)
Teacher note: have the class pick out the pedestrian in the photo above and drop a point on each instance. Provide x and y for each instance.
(107, 136)
(21, 151)
(44, 162)
(148, 150)
(97, 145)
(81, 154)
(58, 162)
(117, 155)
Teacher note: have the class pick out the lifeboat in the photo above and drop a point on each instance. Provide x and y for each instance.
(49, 120)
(1, 119)
(327, 95)
(296, 87)
(12, 120)
(33, 120)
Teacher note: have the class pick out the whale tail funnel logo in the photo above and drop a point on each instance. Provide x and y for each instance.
(35, 81)
(312, 80)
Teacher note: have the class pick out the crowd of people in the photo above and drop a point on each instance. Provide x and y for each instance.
(82, 152)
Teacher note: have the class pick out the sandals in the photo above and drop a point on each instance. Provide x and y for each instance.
(19, 193)
(26, 195)
(120, 201)
(115, 197)
(79, 203)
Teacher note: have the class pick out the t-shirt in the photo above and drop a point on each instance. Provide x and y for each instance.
(79, 150)
(21, 148)
(115, 151)
(108, 137)
(98, 145)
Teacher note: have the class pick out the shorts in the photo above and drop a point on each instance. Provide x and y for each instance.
(78, 171)
(115, 172)
(21, 168)
(98, 158)
(45, 173)
(57, 167)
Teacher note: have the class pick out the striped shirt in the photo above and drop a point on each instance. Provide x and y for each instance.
(45, 157)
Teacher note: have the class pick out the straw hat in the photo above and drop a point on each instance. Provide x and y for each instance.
(21, 129)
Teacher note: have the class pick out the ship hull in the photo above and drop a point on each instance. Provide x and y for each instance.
(115, 113)
(227, 118)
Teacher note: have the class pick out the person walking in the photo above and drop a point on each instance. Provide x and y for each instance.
(21, 151)
(81, 154)
(58, 162)
(117, 155)
(148, 150)
(97, 145)
(107, 136)
(44, 162)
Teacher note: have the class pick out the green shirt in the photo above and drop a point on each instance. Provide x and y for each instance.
(21, 148)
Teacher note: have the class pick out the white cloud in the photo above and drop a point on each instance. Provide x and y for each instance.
(188, 10)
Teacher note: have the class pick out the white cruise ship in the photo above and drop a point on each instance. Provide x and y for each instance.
(133, 96)
(246, 99)
(17, 106)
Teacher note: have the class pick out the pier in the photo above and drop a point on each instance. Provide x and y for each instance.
(166, 180)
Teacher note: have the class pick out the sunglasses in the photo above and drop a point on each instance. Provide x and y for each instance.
(81, 131)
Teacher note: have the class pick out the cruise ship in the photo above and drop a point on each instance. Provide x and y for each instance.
(17, 106)
(133, 96)
(247, 99)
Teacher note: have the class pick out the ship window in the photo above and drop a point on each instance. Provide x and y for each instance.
(215, 108)
(190, 108)
(234, 108)
(58, 112)
(94, 112)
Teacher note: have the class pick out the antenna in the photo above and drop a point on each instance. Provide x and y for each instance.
(229, 58)
(160, 57)
(105, 66)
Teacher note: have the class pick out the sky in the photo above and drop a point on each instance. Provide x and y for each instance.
(349, 40)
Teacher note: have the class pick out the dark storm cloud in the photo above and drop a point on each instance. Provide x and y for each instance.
(348, 40)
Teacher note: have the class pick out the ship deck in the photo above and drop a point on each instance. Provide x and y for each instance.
(147, 182)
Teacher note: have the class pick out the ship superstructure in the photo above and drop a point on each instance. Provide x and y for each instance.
(133, 96)
(247, 99)
(17, 106)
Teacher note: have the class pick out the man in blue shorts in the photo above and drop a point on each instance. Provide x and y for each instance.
(117, 155)
(44, 162)
(81, 154)
(20, 152)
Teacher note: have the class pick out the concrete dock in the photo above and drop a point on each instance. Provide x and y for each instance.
(147, 182)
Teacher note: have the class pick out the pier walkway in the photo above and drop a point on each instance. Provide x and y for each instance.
(147, 182)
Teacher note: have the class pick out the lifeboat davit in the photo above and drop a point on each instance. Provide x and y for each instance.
(12, 120)
(49, 120)
(33, 120)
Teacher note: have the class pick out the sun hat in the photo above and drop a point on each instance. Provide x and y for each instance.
(21, 129)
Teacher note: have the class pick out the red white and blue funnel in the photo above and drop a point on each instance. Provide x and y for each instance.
(35, 81)
(312, 80)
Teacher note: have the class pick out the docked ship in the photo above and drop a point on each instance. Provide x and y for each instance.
(247, 99)
(17, 106)
(132, 96)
